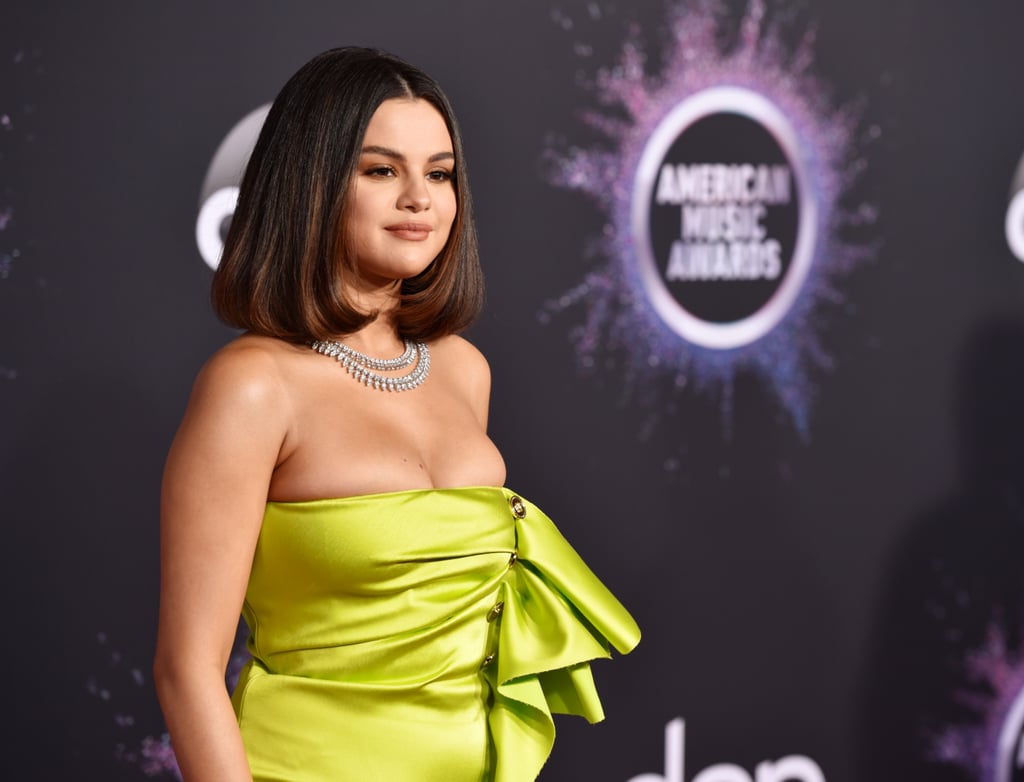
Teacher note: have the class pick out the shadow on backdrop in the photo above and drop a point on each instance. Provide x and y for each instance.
(954, 588)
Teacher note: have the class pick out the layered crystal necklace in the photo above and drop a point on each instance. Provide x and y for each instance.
(366, 369)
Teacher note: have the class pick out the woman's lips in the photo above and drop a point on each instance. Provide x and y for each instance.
(415, 232)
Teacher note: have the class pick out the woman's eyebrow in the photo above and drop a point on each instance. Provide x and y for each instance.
(373, 149)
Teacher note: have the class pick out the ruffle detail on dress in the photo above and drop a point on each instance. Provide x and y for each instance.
(557, 617)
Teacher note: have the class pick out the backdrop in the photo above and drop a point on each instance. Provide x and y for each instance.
(754, 319)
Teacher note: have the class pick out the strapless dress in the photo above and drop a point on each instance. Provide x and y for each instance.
(424, 635)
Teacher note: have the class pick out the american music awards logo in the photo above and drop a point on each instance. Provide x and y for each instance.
(728, 227)
(723, 217)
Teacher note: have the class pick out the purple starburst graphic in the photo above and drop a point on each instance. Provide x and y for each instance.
(151, 754)
(117, 688)
(619, 321)
(988, 748)
(12, 134)
(16, 113)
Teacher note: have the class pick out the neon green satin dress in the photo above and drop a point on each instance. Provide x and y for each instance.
(423, 635)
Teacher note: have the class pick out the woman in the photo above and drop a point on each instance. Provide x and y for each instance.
(409, 618)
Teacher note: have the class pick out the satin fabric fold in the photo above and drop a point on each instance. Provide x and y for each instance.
(419, 635)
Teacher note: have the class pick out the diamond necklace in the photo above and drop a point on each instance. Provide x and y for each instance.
(366, 369)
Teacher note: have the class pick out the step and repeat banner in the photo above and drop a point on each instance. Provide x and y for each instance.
(756, 325)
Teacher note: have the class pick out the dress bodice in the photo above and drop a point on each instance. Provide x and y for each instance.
(439, 607)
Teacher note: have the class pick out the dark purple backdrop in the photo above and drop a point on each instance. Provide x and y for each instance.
(850, 593)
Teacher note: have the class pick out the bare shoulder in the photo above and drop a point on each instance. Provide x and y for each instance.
(238, 418)
(245, 382)
(249, 368)
(461, 354)
(466, 370)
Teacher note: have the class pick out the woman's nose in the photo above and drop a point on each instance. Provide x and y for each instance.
(415, 196)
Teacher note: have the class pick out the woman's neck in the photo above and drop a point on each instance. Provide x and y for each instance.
(378, 338)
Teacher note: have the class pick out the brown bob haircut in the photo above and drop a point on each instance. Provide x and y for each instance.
(285, 263)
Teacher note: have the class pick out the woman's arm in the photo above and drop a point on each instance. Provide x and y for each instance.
(214, 493)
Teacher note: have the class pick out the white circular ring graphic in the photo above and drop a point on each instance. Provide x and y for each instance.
(1009, 736)
(747, 103)
(220, 205)
(1015, 225)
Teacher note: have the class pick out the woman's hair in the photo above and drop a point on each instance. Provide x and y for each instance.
(285, 263)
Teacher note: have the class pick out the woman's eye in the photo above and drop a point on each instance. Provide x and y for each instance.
(440, 176)
(381, 171)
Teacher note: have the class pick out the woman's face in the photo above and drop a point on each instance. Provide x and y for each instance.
(401, 203)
